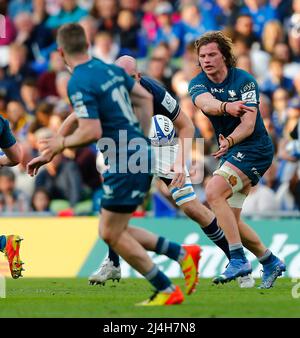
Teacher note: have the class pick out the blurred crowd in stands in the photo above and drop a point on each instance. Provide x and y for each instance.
(160, 34)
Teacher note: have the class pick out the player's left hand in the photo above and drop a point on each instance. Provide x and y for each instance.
(179, 177)
(34, 165)
(223, 147)
(49, 147)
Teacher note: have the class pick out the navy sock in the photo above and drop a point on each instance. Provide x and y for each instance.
(170, 249)
(158, 279)
(237, 251)
(267, 258)
(216, 234)
(114, 257)
(2, 242)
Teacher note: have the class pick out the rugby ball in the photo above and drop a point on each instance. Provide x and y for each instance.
(162, 131)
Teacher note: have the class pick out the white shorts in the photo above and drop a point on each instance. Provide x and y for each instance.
(164, 159)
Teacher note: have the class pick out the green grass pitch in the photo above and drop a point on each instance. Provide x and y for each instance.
(75, 298)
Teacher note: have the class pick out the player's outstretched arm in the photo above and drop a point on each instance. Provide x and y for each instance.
(143, 106)
(211, 106)
(12, 157)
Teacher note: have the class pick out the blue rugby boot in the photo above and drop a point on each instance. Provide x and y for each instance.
(237, 267)
(270, 273)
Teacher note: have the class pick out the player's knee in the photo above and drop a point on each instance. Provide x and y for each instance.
(108, 236)
(212, 194)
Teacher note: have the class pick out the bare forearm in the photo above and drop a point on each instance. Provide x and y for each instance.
(209, 105)
(69, 125)
(241, 132)
(79, 138)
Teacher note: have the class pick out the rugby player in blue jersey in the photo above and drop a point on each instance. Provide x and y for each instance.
(229, 97)
(99, 94)
(12, 156)
(172, 173)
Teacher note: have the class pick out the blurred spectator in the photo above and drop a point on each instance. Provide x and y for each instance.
(19, 120)
(293, 114)
(9, 27)
(61, 178)
(40, 200)
(11, 199)
(69, 12)
(272, 34)
(279, 116)
(30, 95)
(260, 199)
(194, 23)
(17, 69)
(106, 12)
(89, 24)
(131, 40)
(189, 69)
(261, 12)
(276, 79)
(36, 38)
(18, 6)
(224, 13)
(244, 62)
(105, 48)
(294, 37)
(41, 120)
(47, 80)
(168, 31)
(244, 28)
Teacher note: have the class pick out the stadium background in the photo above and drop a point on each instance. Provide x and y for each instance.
(160, 34)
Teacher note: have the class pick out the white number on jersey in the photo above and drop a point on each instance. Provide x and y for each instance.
(121, 96)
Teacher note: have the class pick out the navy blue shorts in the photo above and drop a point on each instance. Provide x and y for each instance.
(124, 190)
(252, 159)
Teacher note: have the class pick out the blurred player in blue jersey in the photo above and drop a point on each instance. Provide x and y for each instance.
(171, 172)
(229, 97)
(10, 245)
(99, 94)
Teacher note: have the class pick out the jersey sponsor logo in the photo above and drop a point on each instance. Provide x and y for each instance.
(249, 97)
(247, 87)
(217, 90)
(197, 86)
(169, 103)
(78, 105)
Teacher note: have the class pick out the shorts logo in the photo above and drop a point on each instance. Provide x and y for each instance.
(232, 180)
(107, 191)
(137, 193)
(239, 156)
